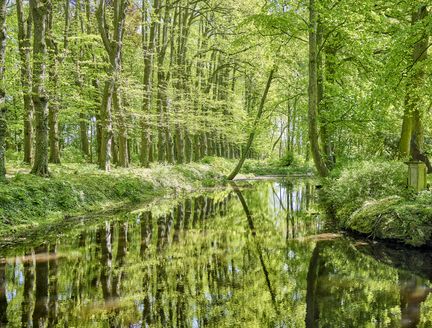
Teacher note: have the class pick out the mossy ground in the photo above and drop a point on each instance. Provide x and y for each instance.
(372, 198)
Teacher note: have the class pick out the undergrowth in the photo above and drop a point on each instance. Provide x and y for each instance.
(258, 167)
(372, 198)
(28, 200)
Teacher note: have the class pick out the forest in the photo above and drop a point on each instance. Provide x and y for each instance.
(131, 83)
(188, 148)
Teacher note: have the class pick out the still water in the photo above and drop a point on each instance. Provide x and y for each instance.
(254, 255)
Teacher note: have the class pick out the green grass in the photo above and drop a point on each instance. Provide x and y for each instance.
(28, 201)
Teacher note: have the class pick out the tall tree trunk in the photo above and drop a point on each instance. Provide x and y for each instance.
(164, 136)
(405, 139)
(313, 93)
(106, 129)
(330, 52)
(53, 124)
(322, 102)
(146, 155)
(123, 155)
(79, 79)
(113, 47)
(167, 104)
(39, 11)
(254, 127)
(24, 44)
(3, 122)
(412, 130)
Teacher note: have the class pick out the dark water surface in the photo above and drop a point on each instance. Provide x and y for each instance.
(255, 256)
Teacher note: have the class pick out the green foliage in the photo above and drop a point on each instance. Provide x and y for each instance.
(371, 197)
(348, 188)
(72, 155)
(397, 218)
(219, 164)
(12, 155)
(259, 167)
(26, 199)
(287, 159)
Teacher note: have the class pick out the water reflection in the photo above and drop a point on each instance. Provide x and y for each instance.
(3, 300)
(252, 256)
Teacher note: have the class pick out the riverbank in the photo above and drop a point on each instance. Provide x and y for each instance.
(371, 198)
(30, 202)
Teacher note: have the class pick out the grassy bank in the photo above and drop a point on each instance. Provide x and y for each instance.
(372, 198)
(31, 202)
(27, 201)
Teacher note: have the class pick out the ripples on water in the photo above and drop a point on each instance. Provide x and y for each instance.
(253, 256)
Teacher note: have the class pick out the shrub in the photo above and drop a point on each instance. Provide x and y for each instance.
(287, 159)
(371, 197)
(274, 168)
(397, 218)
(347, 189)
(72, 155)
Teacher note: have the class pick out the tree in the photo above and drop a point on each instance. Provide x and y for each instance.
(39, 10)
(412, 135)
(53, 69)
(254, 126)
(111, 95)
(313, 92)
(3, 108)
(148, 43)
(24, 44)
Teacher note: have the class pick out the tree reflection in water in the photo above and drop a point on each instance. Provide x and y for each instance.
(253, 255)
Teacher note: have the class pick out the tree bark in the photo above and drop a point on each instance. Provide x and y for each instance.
(412, 138)
(113, 47)
(53, 123)
(39, 11)
(3, 108)
(325, 73)
(24, 36)
(79, 78)
(123, 154)
(164, 136)
(313, 93)
(148, 50)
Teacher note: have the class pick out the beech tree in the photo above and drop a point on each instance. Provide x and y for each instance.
(3, 122)
(258, 117)
(313, 91)
(112, 42)
(120, 83)
(412, 135)
(40, 10)
(24, 44)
